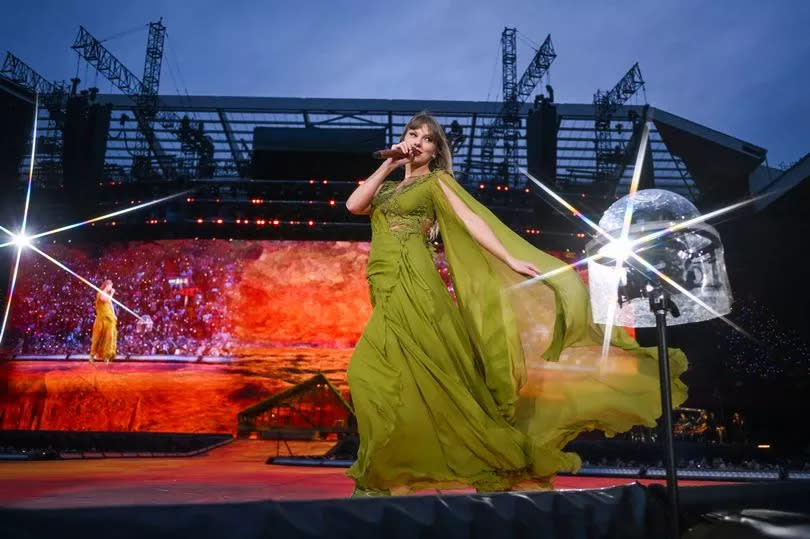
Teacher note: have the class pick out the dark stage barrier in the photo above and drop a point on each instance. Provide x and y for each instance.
(37, 444)
(600, 456)
(620, 512)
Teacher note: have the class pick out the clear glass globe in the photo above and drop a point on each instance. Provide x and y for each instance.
(690, 257)
(649, 206)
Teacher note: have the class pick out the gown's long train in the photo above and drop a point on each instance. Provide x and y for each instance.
(488, 391)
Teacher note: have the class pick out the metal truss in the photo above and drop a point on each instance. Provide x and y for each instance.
(507, 125)
(606, 104)
(230, 122)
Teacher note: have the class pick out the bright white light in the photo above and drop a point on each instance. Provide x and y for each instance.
(21, 240)
(619, 249)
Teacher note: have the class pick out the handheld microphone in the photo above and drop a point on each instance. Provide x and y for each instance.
(385, 154)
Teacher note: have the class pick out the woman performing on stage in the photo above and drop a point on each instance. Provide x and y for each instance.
(105, 333)
(484, 391)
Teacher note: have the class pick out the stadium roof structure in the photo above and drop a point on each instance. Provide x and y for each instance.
(691, 159)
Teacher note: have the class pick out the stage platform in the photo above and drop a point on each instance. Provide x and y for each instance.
(231, 492)
(235, 472)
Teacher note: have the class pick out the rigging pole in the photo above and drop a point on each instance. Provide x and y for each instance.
(506, 125)
(605, 105)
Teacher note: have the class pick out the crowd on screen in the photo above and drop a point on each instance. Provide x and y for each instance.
(180, 286)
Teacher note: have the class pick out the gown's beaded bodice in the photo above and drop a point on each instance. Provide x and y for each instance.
(401, 219)
(407, 208)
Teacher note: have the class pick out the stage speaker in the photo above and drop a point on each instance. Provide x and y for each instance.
(84, 146)
(16, 119)
(542, 125)
(315, 153)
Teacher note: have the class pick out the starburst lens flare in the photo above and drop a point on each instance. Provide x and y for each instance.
(23, 241)
(621, 248)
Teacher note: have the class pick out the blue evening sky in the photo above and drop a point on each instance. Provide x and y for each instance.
(739, 66)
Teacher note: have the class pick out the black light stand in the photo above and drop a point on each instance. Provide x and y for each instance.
(660, 305)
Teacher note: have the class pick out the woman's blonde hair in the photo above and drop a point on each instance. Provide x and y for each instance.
(444, 157)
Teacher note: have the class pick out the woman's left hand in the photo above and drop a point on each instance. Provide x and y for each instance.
(523, 267)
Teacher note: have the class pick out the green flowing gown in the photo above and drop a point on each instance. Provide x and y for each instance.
(484, 391)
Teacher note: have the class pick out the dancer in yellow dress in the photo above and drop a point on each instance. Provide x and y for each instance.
(105, 332)
(487, 390)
